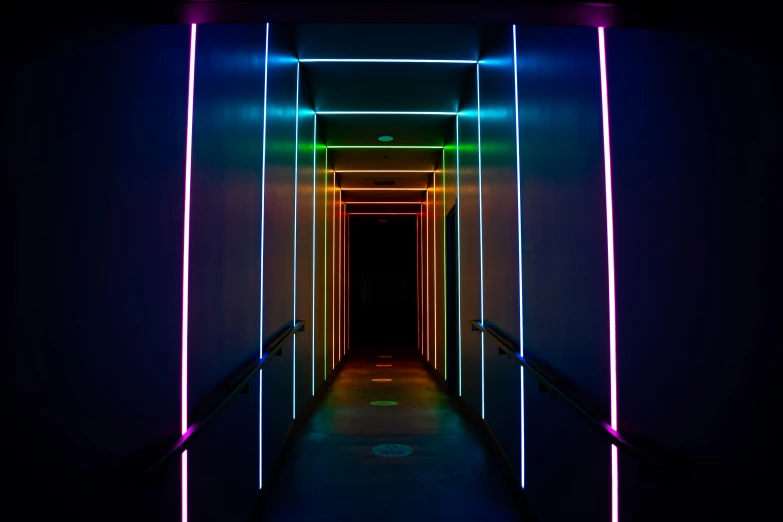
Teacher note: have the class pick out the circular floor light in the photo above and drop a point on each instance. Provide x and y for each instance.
(385, 137)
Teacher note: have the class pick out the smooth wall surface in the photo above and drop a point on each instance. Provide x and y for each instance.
(565, 284)
(695, 141)
(225, 266)
(97, 172)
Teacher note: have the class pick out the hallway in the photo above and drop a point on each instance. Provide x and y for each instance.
(331, 473)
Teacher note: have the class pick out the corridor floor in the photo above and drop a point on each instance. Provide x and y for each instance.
(332, 474)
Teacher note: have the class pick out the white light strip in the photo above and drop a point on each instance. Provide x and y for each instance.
(186, 277)
(312, 324)
(379, 60)
(386, 113)
(519, 244)
(296, 204)
(610, 264)
(261, 314)
(481, 234)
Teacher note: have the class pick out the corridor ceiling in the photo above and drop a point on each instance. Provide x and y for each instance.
(359, 100)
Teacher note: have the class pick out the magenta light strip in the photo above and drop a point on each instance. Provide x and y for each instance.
(185, 275)
(610, 264)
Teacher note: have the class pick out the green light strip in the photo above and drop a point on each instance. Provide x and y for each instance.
(386, 146)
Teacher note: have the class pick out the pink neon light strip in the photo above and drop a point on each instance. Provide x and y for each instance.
(610, 257)
(185, 276)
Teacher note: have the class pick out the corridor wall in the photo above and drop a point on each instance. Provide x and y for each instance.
(96, 165)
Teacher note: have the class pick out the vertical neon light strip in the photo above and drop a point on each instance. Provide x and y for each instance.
(445, 307)
(312, 324)
(261, 314)
(610, 263)
(421, 273)
(296, 204)
(434, 272)
(427, 264)
(326, 250)
(339, 276)
(459, 273)
(183, 421)
(418, 288)
(519, 243)
(481, 233)
(334, 219)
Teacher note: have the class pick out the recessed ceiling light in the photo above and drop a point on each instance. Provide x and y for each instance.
(385, 137)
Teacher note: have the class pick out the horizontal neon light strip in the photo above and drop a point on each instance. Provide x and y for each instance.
(386, 147)
(392, 113)
(382, 213)
(381, 60)
(388, 189)
(359, 171)
(383, 202)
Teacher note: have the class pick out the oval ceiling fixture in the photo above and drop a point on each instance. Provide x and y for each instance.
(385, 137)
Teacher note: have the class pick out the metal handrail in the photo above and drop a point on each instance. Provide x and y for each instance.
(184, 441)
(605, 429)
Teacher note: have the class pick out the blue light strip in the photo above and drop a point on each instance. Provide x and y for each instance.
(481, 234)
(379, 60)
(459, 270)
(519, 242)
(386, 113)
(261, 315)
(312, 324)
(296, 203)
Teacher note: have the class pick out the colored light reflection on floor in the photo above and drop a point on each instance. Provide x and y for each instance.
(381, 380)
(385, 356)
(383, 403)
(383, 365)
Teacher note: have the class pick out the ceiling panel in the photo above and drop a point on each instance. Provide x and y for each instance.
(364, 129)
(384, 159)
(387, 86)
(412, 41)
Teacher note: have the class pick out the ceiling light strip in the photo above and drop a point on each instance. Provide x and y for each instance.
(385, 113)
(385, 146)
(389, 189)
(380, 60)
(382, 202)
(382, 213)
(386, 171)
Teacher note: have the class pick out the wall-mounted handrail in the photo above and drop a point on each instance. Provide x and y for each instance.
(272, 347)
(612, 435)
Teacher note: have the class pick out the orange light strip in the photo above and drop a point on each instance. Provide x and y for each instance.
(383, 213)
(382, 202)
(384, 171)
(386, 189)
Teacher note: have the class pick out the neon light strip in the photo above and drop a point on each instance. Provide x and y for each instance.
(326, 249)
(434, 274)
(183, 421)
(385, 146)
(380, 60)
(261, 314)
(340, 279)
(445, 307)
(519, 244)
(334, 290)
(383, 202)
(296, 202)
(374, 188)
(387, 171)
(383, 213)
(459, 274)
(481, 234)
(428, 272)
(386, 113)
(610, 264)
(312, 325)
(418, 287)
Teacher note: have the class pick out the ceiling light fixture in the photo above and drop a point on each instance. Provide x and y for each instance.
(385, 138)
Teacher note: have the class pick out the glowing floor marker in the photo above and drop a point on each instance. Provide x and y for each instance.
(261, 314)
(481, 235)
(380, 60)
(610, 263)
(312, 324)
(183, 424)
(296, 204)
(459, 273)
(519, 244)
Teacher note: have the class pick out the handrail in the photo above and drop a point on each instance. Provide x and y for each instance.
(184, 441)
(610, 433)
